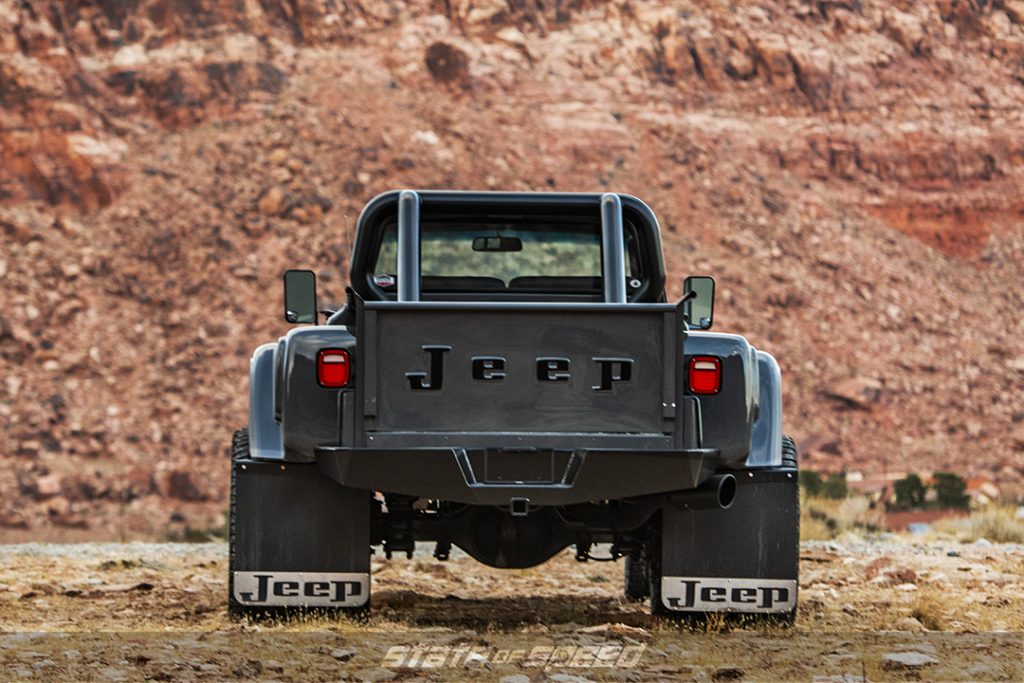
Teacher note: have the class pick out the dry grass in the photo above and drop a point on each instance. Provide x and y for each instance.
(823, 519)
(998, 524)
(930, 607)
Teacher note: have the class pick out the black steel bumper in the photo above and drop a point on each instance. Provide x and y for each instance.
(496, 476)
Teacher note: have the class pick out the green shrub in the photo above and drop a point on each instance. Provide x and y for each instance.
(909, 491)
(835, 486)
(949, 490)
(810, 482)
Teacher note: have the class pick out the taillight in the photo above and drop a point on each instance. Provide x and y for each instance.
(333, 368)
(705, 375)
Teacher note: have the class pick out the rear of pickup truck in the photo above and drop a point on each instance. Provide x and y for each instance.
(518, 405)
(513, 429)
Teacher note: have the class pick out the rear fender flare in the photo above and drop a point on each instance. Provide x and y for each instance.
(266, 437)
(766, 437)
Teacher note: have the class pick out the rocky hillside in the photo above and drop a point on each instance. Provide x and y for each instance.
(852, 172)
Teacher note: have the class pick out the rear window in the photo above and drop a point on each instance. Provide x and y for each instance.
(508, 256)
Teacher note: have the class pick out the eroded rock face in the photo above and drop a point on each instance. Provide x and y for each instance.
(852, 172)
(76, 77)
(882, 93)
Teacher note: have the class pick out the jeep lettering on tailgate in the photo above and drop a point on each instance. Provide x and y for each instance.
(494, 369)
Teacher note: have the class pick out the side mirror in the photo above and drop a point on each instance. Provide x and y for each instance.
(699, 301)
(300, 297)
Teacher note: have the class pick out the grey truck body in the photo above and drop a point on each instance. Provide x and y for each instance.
(516, 418)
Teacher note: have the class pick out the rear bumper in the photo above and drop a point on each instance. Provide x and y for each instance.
(496, 476)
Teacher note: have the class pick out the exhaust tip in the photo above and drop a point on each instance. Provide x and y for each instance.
(726, 491)
(717, 492)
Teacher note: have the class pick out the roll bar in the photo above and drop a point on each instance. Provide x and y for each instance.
(613, 257)
(408, 246)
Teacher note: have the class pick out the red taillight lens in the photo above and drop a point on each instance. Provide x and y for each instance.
(333, 368)
(705, 375)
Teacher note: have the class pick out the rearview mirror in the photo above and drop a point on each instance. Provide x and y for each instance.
(699, 301)
(300, 296)
(497, 243)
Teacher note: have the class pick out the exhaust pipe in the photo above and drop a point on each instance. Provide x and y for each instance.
(718, 491)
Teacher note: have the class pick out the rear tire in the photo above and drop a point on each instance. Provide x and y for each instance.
(239, 450)
(637, 577)
(789, 453)
(790, 458)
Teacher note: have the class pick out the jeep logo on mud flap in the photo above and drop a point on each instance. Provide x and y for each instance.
(691, 594)
(304, 589)
(493, 369)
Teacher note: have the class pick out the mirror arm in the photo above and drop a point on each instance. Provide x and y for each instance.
(343, 316)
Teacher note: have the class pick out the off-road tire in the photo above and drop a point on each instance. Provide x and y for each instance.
(637, 586)
(789, 454)
(790, 458)
(239, 450)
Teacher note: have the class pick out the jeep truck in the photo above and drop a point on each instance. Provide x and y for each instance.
(508, 377)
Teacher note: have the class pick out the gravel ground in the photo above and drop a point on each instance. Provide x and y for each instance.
(869, 610)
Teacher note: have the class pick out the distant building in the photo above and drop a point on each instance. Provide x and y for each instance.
(876, 489)
(982, 491)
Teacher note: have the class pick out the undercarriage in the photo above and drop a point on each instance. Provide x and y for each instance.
(519, 536)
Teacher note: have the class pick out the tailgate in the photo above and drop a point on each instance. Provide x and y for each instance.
(531, 375)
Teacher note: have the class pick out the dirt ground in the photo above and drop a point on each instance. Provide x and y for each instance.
(869, 610)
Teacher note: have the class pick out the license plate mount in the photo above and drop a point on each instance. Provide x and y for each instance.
(519, 466)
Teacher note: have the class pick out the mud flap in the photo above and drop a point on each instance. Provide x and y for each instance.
(299, 539)
(743, 559)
